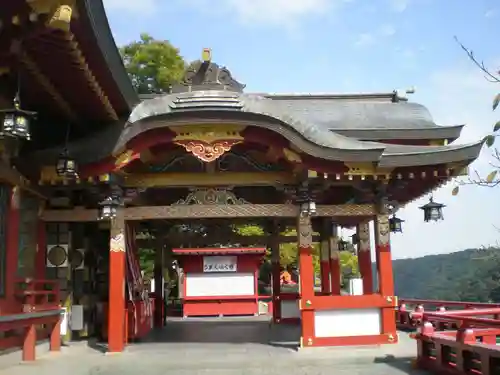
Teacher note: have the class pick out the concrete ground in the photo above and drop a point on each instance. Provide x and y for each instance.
(239, 346)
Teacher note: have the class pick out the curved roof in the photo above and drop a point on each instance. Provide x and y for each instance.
(209, 95)
(366, 116)
(94, 12)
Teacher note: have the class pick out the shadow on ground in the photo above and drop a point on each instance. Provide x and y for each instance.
(242, 330)
(403, 364)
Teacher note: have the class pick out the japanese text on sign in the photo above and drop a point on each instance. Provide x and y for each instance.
(219, 264)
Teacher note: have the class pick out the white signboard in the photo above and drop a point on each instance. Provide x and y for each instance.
(219, 264)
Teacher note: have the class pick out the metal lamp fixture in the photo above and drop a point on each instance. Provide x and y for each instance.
(66, 166)
(433, 211)
(308, 208)
(307, 204)
(16, 121)
(395, 224)
(343, 245)
(108, 208)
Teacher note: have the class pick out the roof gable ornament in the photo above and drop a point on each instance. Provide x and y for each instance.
(202, 75)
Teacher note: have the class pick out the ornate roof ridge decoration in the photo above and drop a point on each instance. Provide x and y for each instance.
(211, 196)
(206, 75)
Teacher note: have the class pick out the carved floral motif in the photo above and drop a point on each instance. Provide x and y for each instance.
(117, 243)
(364, 237)
(211, 197)
(304, 232)
(208, 152)
(382, 230)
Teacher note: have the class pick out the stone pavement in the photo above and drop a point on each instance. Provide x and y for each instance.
(225, 347)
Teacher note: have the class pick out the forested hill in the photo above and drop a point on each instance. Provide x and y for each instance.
(470, 275)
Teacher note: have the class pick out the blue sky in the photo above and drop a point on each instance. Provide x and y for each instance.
(354, 46)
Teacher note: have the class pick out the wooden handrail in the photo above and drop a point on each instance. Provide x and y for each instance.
(29, 321)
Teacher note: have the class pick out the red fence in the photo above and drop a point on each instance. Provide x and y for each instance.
(453, 337)
(38, 318)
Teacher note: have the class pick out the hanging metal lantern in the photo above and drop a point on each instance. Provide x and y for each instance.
(355, 239)
(433, 211)
(66, 166)
(16, 121)
(343, 245)
(108, 208)
(395, 224)
(308, 208)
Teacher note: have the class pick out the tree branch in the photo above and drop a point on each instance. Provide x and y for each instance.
(489, 76)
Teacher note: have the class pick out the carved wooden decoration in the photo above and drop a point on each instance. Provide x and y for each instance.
(364, 237)
(208, 152)
(304, 232)
(117, 243)
(211, 197)
(208, 143)
(382, 230)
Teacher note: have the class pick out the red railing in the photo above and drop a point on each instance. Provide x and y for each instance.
(35, 315)
(458, 341)
(37, 294)
(21, 331)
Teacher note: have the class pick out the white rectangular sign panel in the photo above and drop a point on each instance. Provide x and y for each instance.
(219, 264)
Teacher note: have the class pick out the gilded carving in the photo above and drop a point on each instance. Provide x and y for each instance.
(208, 152)
(292, 156)
(117, 243)
(125, 158)
(364, 237)
(208, 133)
(367, 169)
(304, 232)
(61, 18)
(211, 197)
(382, 230)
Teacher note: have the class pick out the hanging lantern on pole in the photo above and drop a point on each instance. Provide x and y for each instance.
(16, 121)
(108, 208)
(395, 224)
(343, 245)
(66, 166)
(433, 211)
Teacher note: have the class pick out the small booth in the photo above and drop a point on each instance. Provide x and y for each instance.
(220, 281)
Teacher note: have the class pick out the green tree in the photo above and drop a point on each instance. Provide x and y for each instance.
(153, 65)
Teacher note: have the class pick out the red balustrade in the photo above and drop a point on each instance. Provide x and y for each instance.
(458, 341)
(37, 294)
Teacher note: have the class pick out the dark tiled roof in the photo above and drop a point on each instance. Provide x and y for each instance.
(216, 106)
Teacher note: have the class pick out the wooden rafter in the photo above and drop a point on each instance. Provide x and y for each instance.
(51, 90)
(77, 55)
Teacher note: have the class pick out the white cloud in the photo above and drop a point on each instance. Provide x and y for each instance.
(370, 38)
(365, 39)
(491, 13)
(132, 6)
(267, 12)
(399, 5)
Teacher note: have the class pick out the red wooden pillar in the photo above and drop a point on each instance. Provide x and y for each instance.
(41, 250)
(159, 288)
(364, 257)
(117, 262)
(274, 245)
(12, 236)
(334, 262)
(385, 276)
(324, 258)
(306, 269)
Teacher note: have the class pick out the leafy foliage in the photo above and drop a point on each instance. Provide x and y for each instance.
(470, 275)
(153, 65)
